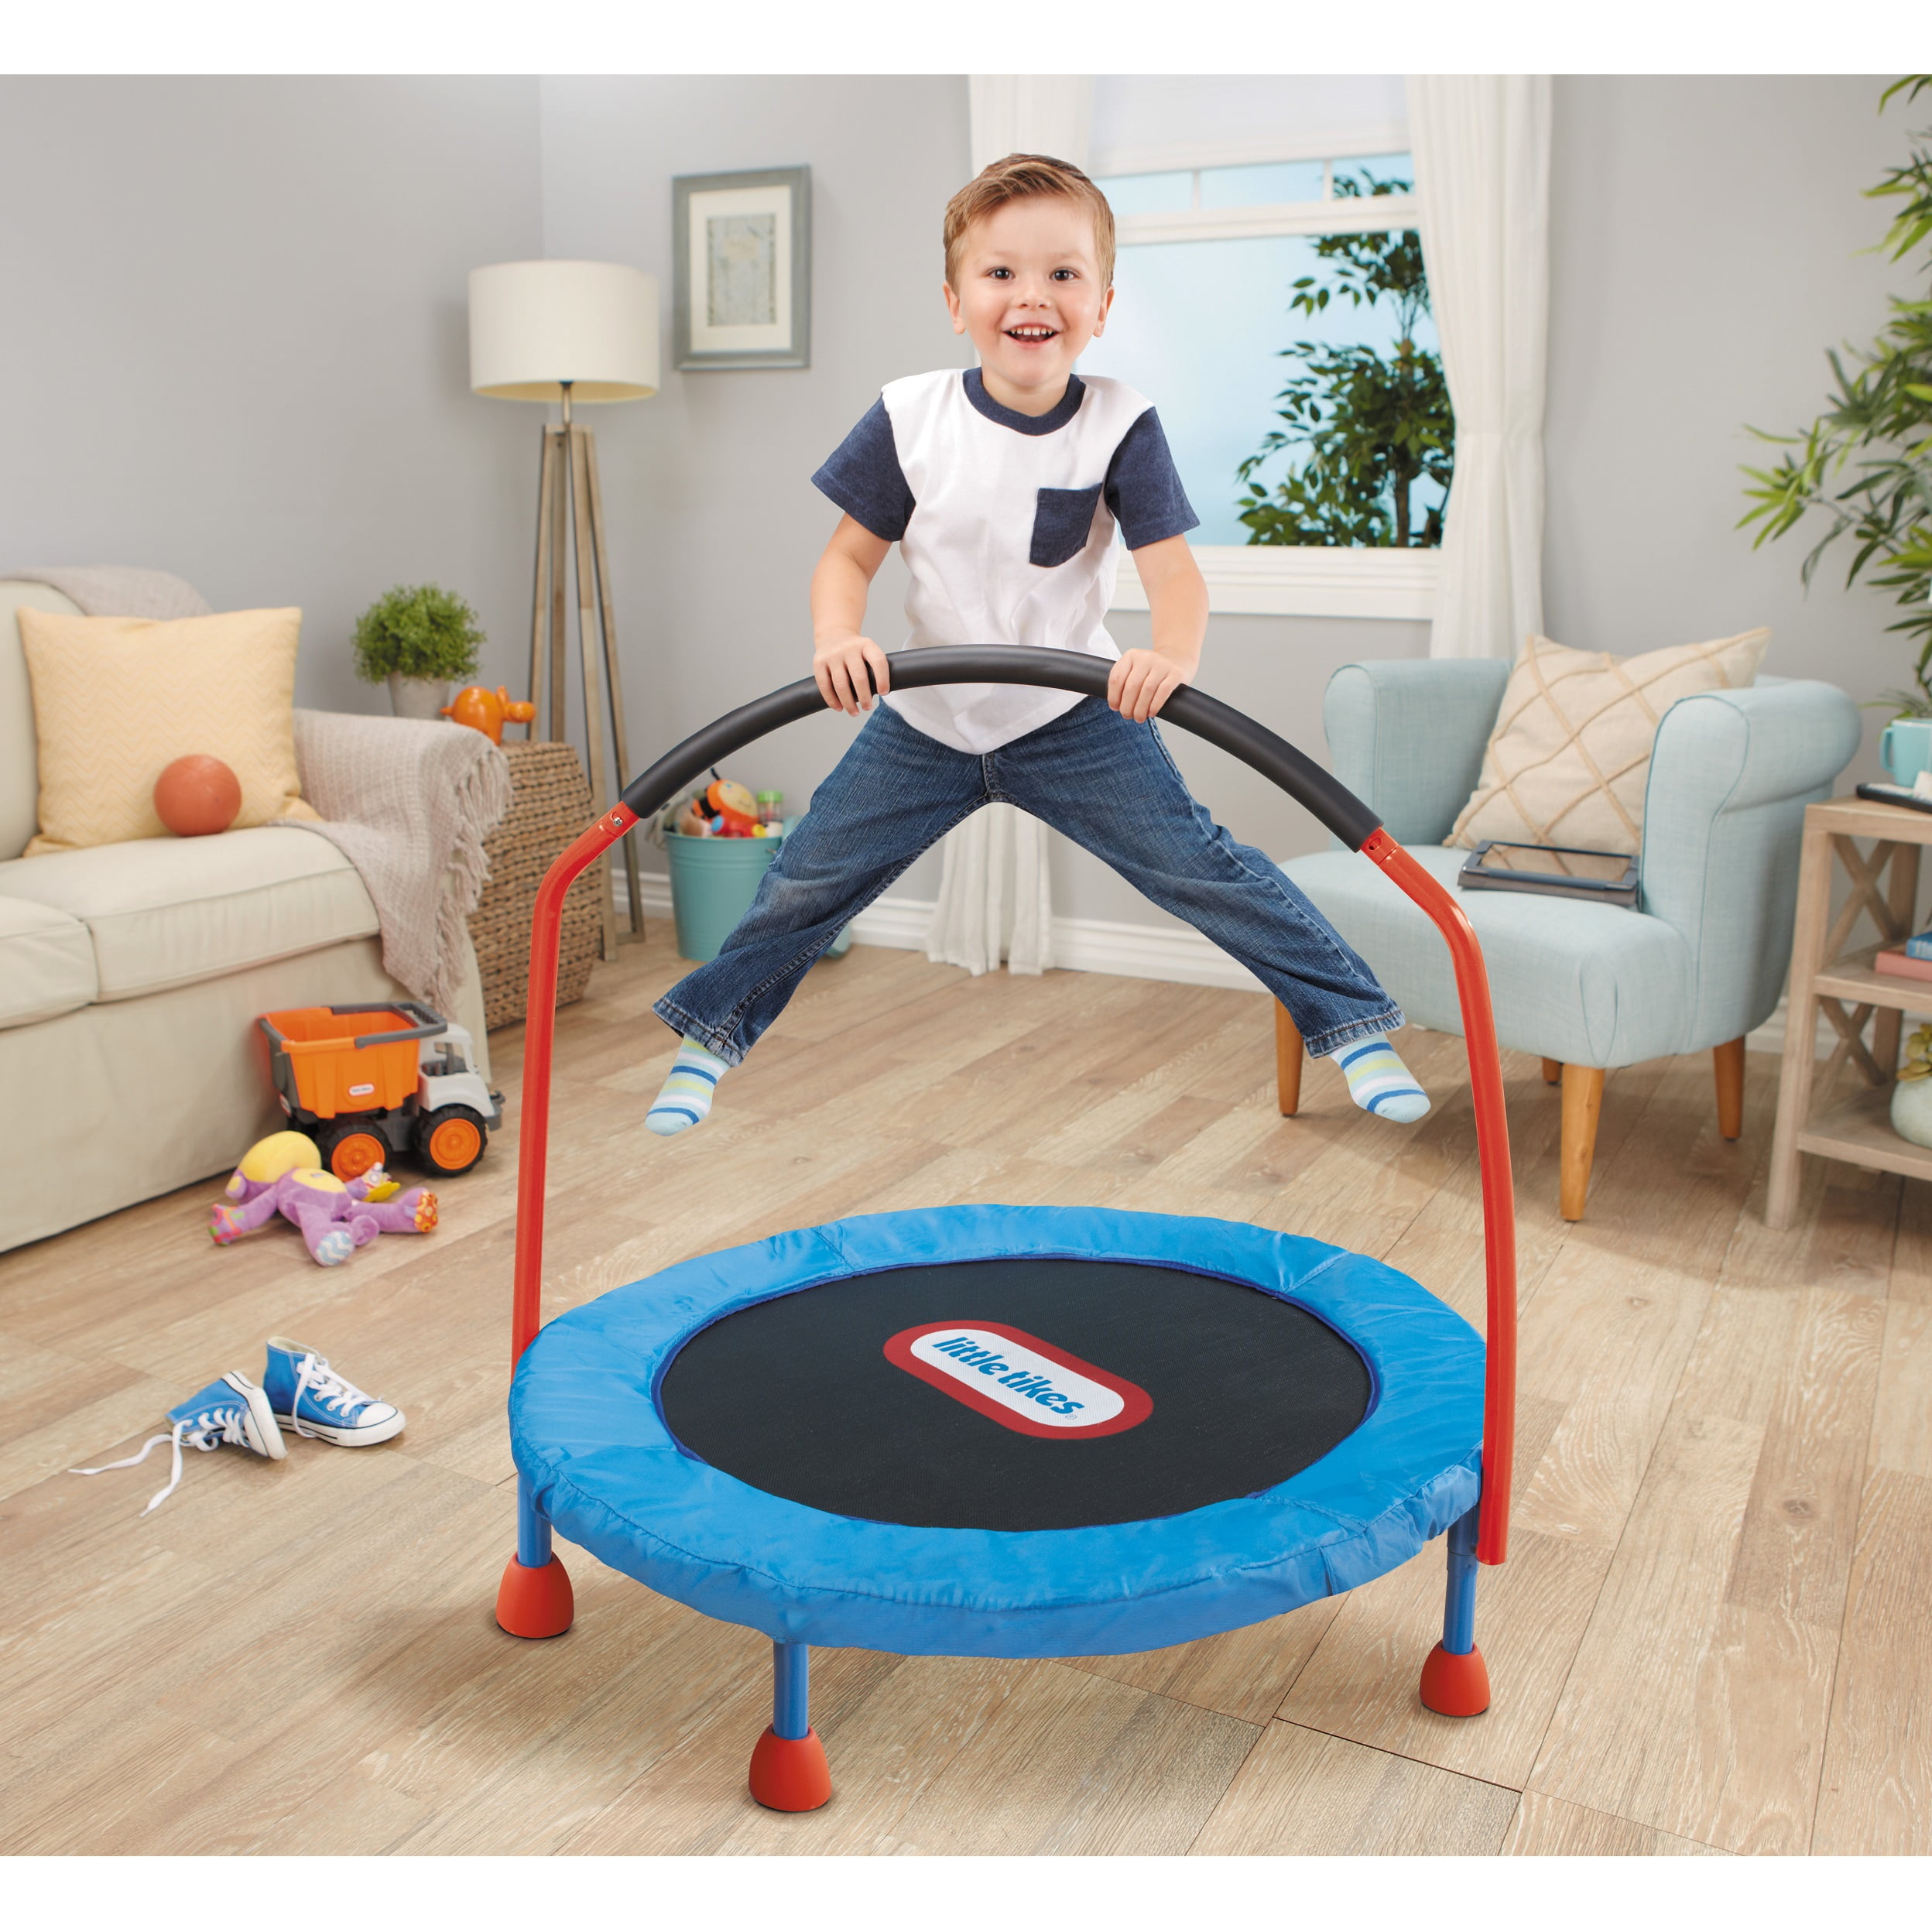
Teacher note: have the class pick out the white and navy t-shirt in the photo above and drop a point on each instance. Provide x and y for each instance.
(1006, 522)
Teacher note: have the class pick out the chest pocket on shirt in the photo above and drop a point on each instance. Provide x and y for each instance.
(1063, 521)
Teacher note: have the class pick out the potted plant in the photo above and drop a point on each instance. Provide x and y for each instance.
(1866, 464)
(420, 639)
(1912, 1093)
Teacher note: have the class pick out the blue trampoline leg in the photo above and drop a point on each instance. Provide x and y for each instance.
(791, 1688)
(533, 1529)
(1459, 1611)
(534, 1599)
(788, 1770)
(1455, 1681)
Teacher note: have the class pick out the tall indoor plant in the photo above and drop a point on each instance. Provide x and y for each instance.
(1866, 464)
(419, 638)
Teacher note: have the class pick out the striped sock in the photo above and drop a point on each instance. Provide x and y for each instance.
(1377, 1081)
(685, 1098)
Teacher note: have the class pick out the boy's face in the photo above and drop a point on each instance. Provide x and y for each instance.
(1029, 295)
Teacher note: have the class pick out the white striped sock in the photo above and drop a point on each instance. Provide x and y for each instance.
(685, 1098)
(1379, 1083)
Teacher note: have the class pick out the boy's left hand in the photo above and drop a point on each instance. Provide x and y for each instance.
(1141, 682)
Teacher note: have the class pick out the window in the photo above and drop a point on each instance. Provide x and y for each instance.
(1214, 234)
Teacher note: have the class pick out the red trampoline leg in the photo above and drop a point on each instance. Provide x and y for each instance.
(534, 1599)
(788, 1770)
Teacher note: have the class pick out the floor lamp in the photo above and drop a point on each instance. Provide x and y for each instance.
(571, 332)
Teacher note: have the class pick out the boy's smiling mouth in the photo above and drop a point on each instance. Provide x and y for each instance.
(1031, 332)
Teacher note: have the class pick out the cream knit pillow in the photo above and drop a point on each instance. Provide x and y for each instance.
(116, 699)
(1568, 760)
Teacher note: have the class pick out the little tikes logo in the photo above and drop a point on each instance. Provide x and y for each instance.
(1022, 1382)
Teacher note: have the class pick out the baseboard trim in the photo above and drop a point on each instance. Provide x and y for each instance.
(1174, 955)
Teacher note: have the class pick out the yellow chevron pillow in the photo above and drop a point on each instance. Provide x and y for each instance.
(117, 699)
(1570, 756)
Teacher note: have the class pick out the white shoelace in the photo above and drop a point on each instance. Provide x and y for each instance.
(209, 1432)
(314, 1375)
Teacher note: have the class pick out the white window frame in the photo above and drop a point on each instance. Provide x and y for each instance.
(1270, 579)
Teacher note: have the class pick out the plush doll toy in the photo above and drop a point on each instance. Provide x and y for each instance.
(284, 1175)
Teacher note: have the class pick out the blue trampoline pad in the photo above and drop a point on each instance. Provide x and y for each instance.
(1005, 1431)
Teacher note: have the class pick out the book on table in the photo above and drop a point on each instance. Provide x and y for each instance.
(1912, 961)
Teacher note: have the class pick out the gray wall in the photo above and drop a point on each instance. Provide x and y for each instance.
(1706, 239)
(714, 526)
(233, 343)
(233, 346)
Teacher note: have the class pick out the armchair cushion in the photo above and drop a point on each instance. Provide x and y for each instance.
(1602, 985)
(1568, 760)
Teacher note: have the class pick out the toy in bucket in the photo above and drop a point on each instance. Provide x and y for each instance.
(720, 841)
(397, 1078)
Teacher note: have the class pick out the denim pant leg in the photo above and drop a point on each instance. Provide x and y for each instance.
(1110, 784)
(895, 792)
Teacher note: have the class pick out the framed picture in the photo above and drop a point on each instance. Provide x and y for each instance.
(742, 279)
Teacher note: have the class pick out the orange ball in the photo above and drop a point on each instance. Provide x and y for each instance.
(198, 795)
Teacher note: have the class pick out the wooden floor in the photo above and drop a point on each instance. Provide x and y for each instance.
(1711, 1635)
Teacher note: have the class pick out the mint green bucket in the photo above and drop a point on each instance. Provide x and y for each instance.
(713, 883)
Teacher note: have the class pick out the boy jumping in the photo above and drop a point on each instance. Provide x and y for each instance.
(1003, 486)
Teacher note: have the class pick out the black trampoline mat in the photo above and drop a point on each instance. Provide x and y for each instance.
(795, 1396)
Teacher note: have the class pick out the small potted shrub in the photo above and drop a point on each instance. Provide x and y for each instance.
(420, 639)
(1912, 1093)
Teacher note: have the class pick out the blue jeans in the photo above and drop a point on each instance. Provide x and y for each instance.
(1105, 782)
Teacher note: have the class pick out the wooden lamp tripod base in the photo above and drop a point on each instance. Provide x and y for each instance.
(571, 505)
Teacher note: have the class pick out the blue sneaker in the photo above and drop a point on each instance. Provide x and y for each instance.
(310, 1398)
(233, 1409)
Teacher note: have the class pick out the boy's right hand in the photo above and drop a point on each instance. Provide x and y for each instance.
(840, 667)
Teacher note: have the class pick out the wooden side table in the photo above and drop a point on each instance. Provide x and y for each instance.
(1827, 978)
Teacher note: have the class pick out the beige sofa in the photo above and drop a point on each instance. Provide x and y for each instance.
(130, 978)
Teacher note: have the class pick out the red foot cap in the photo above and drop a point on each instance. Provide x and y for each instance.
(790, 1774)
(1458, 1687)
(534, 1603)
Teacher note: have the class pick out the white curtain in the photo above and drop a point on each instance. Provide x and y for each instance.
(1481, 148)
(994, 897)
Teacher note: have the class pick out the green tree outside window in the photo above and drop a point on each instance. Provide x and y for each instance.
(1371, 428)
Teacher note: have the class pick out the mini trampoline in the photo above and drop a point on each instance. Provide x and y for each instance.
(1010, 1431)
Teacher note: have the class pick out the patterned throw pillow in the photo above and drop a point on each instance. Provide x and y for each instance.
(116, 699)
(1568, 760)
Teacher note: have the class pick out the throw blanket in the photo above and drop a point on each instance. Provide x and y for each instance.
(106, 589)
(409, 803)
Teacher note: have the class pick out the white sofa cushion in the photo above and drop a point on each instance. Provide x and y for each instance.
(167, 912)
(47, 963)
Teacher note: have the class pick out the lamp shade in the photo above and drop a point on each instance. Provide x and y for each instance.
(534, 325)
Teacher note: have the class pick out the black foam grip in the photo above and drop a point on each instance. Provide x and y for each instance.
(1297, 774)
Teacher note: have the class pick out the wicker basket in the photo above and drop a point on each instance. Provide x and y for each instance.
(550, 806)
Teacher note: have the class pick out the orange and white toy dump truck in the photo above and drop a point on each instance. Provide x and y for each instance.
(370, 1081)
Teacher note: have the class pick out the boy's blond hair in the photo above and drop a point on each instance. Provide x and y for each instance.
(1018, 178)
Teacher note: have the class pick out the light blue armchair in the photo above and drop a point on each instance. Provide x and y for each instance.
(1697, 963)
